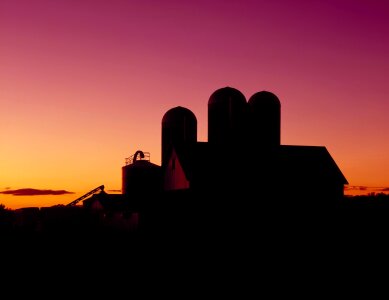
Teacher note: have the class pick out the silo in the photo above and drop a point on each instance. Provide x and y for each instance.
(265, 120)
(140, 176)
(179, 127)
(227, 109)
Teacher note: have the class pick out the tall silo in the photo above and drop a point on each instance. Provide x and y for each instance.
(265, 120)
(227, 115)
(179, 127)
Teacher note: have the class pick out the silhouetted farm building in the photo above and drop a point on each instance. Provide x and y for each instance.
(244, 157)
(236, 176)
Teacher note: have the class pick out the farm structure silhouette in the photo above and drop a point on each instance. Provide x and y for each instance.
(243, 175)
(244, 157)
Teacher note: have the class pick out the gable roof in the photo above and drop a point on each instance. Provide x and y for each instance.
(311, 163)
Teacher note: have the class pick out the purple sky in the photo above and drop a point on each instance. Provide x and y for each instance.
(84, 84)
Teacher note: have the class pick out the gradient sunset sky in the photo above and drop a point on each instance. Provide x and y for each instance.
(85, 83)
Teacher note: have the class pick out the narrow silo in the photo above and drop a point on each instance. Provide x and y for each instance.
(264, 120)
(179, 127)
(227, 109)
(140, 176)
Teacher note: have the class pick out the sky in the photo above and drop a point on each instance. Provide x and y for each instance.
(85, 83)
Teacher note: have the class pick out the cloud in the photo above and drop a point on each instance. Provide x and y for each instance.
(366, 188)
(356, 187)
(115, 191)
(35, 192)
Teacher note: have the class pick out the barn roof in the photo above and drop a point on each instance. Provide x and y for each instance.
(311, 163)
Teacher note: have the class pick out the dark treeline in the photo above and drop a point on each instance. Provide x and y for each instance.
(293, 247)
(195, 216)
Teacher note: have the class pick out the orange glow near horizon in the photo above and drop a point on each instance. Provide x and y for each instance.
(84, 84)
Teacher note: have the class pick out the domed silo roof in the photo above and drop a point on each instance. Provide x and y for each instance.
(227, 108)
(220, 96)
(179, 126)
(264, 99)
(265, 119)
(179, 114)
